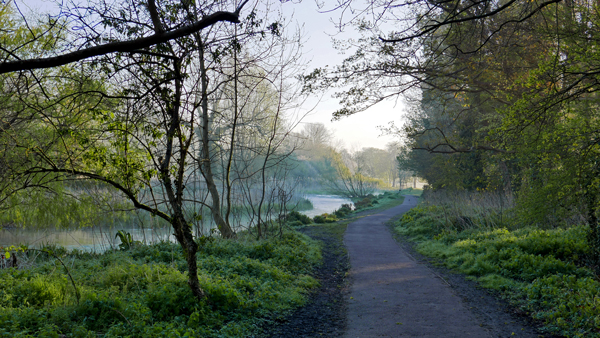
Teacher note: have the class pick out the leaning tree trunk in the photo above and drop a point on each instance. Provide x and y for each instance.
(174, 190)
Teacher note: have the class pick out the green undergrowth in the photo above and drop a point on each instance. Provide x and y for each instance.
(538, 270)
(411, 191)
(143, 291)
(379, 202)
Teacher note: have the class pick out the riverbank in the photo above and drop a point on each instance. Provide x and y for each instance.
(99, 238)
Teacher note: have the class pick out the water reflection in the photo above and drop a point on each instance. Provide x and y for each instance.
(86, 239)
(99, 239)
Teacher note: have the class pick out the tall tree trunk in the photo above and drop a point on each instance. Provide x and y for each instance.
(206, 161)
(233, 130)
(183, 230)
(183, 234)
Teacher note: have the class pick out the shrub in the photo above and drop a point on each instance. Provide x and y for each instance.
(343, 211)
(364, 203)
(295, 217)
(325, 218)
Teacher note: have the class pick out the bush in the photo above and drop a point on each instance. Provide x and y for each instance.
(343, 211)
(364, 203)
(325, 218)
(319, 219)
(295, 218)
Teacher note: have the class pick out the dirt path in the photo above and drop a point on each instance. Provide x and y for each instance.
(325, 313)
(392, 295)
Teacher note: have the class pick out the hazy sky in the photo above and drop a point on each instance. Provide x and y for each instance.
(355, 132)
(359, 130)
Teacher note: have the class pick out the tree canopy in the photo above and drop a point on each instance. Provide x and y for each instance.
(502, 95)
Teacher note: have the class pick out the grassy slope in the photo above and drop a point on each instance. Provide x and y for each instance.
(539, 270)
(143, 292)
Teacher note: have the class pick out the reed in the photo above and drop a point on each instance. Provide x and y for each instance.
(462, 210)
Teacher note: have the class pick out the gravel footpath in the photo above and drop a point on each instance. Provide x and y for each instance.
(500, 318)
(394, 296)
(398, 293)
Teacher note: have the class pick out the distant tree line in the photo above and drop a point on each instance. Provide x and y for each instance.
(323, 163)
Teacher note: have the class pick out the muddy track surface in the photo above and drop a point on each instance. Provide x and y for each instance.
(395, 292)
(325, 313)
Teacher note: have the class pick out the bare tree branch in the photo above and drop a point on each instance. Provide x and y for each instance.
(121, 46)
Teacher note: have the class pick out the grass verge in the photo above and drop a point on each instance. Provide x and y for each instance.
(537, 270)
(142, 292)
(380, 202)
(411, 191)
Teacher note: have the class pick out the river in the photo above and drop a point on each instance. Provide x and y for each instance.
(102, 238)
(325, 204)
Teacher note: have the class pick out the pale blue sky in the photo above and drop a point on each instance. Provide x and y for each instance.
(355, 132)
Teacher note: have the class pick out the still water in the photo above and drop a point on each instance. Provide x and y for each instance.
(103, 238)
(325, 204)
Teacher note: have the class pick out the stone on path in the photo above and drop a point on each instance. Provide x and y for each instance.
(392, 295)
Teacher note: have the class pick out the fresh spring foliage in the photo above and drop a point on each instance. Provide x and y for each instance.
(126, 240)
(540, 270)
(343, 211)
(143, 291)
